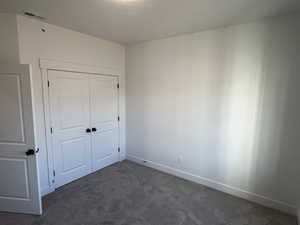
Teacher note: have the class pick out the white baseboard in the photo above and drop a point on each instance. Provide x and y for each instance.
(262, 200)
(122, 157)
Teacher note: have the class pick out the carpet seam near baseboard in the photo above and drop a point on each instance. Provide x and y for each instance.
(262, 200)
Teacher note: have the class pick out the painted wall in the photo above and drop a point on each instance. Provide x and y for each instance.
(9, 49)
(65, 45)
(221, 105)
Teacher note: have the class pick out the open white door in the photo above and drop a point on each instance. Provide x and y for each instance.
(19, 186)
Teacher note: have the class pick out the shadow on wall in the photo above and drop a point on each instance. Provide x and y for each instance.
(261, 112)
(221, 104)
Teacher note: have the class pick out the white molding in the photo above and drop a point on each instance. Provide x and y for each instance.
(47, 190)
(49, 64)
(122, 158)
(76, 67)
(47, 131)
(262, 200)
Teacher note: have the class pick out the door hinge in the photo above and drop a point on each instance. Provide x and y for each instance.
(118, 85)
(118, 149)
(51, 130)
(54, 173)
(48, 83)
(118, 118)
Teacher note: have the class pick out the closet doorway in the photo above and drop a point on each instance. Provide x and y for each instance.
(83, 122)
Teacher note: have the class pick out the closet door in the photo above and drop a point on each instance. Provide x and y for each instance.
(69, 109)
(104, 120)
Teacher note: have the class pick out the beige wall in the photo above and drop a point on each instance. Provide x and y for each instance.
(9, 49)
(221, 105)
(64, 45)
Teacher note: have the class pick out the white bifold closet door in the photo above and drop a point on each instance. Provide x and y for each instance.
(84, 112)
(69, 109)
(104, 120)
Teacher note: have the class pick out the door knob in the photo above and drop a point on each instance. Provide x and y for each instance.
(30, 152)
(88, 130)
(94, 129)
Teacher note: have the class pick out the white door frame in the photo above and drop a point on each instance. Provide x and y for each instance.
(47, 64)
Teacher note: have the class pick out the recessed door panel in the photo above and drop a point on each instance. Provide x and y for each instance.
(14, 183)
(104, 114)
(71, 102)
(69, 108)
(19, 185)
(103, 100)
(106, 140)
(11, 118)
(70, 160)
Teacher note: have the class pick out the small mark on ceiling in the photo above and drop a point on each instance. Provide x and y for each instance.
(30, 14)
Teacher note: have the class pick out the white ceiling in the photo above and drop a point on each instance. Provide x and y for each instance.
(131, 21)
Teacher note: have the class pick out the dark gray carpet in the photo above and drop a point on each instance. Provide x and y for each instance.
(130, 194)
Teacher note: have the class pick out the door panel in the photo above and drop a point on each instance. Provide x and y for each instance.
(104, 148)
(69, 108)
(11, 120)
(10, 186)
(73, 161)
(19, 189)
(104, 114)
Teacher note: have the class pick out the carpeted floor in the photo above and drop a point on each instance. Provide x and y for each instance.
(130, 194)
